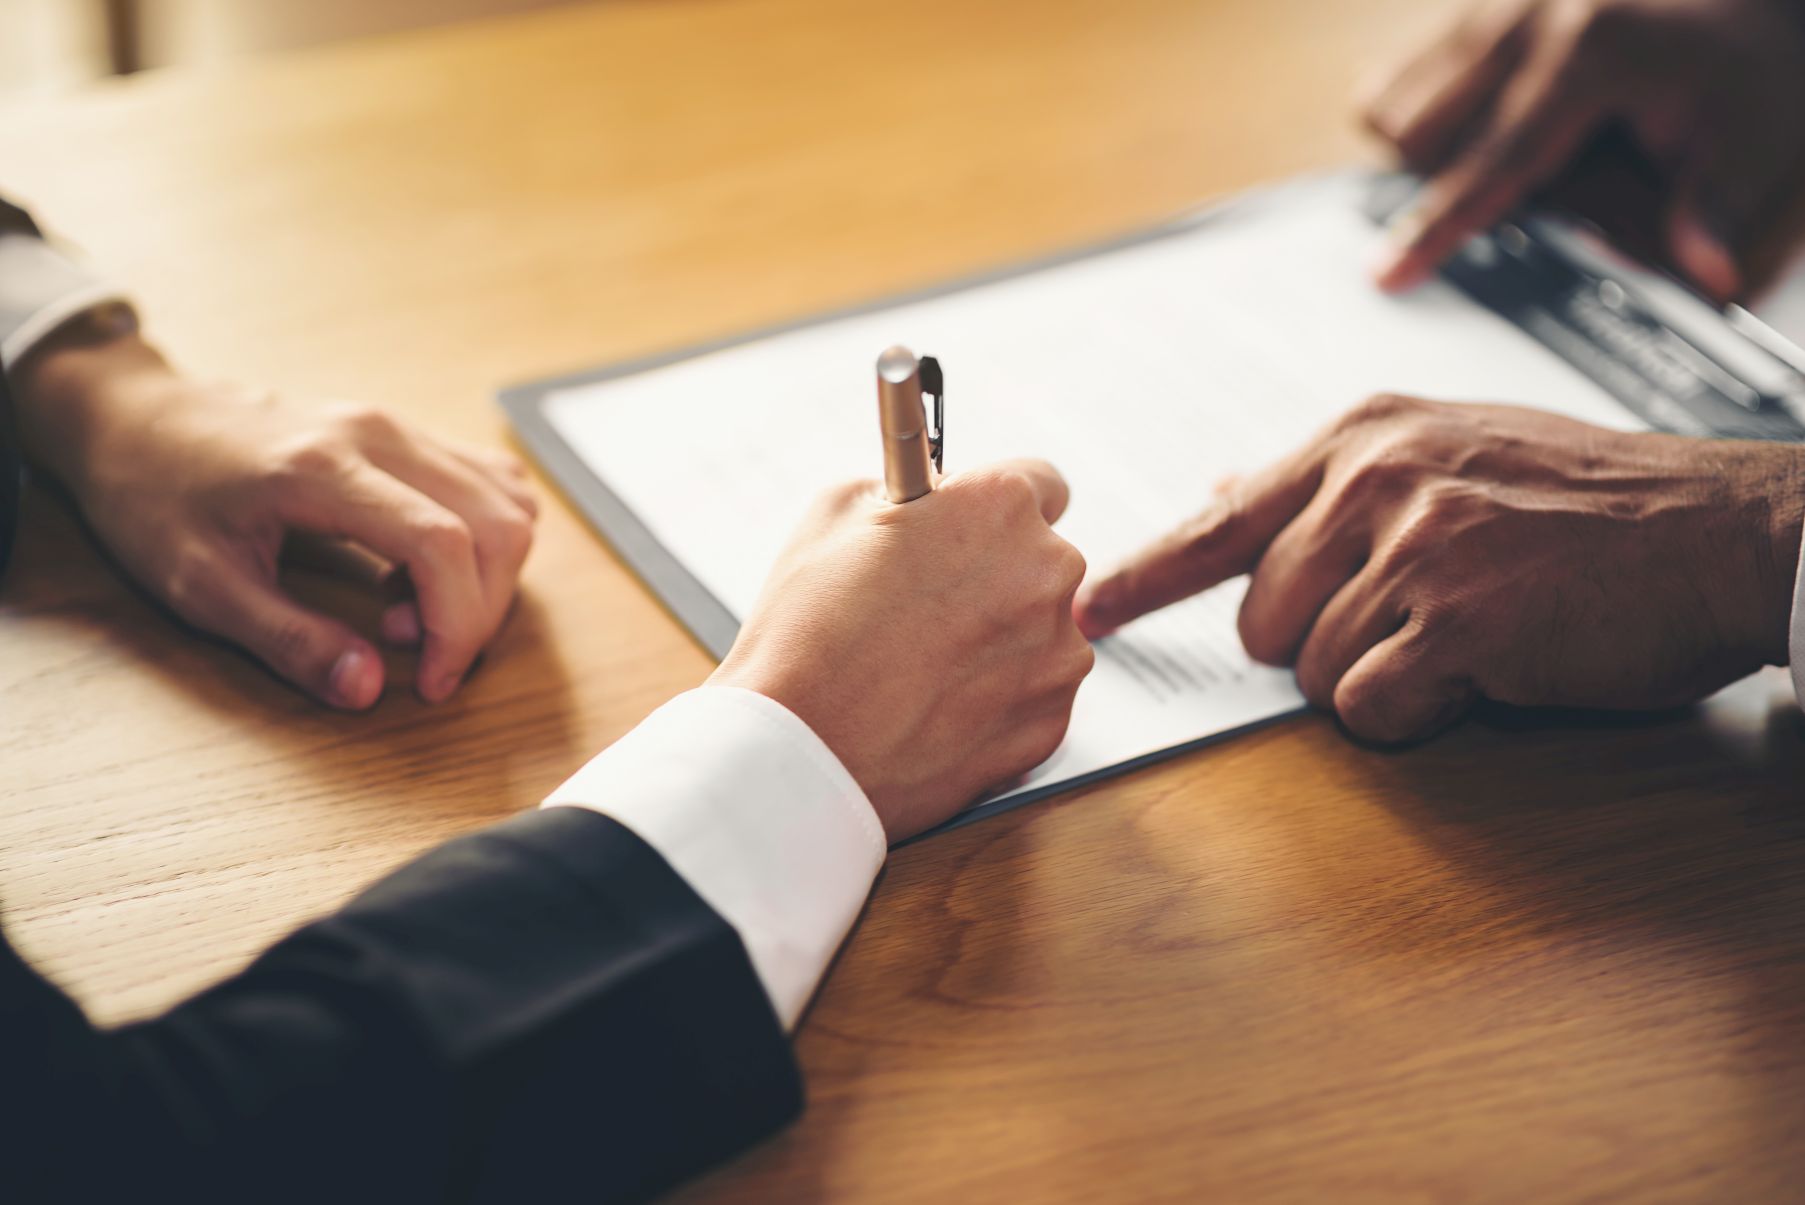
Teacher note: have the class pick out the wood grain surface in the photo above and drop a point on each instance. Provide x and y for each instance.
(1546, 958)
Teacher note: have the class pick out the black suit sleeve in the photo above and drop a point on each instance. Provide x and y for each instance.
(541, 1012)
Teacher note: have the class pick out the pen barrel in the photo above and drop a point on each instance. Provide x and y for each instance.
(903, 421)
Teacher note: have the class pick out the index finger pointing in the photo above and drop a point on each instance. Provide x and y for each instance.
(1224, 541)
(1423, 109)
(1541, 122)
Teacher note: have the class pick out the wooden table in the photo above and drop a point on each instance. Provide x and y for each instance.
(1540, 961)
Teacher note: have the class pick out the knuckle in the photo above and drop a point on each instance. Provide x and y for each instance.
(286, 642)
(1067, 661)
(443, 536)
(848, 493)
(1211, 531)
(1261, 642)
(1083, 661)
(1413, 693)
(1385, 472)
(1008, 495)
(1360, 717)
(1258, 635)
(521, 529)
(190, 581)
(1381, 407)
(1377, 709)
(1403, 455)
(1070, 565)
(363, 422)
(1448, 504)
(1043, 740)
(1313, 679)
(1426, 536)
(512, 535)
(1438, 636)
(838, 503)
(1416, 539)
(311, 459)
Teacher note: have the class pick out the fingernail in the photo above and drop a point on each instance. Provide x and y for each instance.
(1404, 229)
(1395, 268)
(1705, 256)
(401, 624)
(356, 679)
(1399, 274)
(441, 688)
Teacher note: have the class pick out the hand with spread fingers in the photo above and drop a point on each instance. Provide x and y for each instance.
(1710, 90)
(195, 489)
(1417, 556)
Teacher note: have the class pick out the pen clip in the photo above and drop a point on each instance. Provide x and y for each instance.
(933, 382)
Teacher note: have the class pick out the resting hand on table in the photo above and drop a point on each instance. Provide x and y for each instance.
(196, 487)
(1416, 556)
(930, 645)
(1711, 90)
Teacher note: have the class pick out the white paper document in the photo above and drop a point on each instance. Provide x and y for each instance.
(1144, 373)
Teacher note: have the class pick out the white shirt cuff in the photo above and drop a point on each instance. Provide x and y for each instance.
(758, 816)
(40, 289)
(1796, 651)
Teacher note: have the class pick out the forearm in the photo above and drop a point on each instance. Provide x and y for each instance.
(543, 1011)
(758, 815)
(55, 314)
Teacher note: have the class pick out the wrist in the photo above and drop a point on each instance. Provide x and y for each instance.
(1781, 492)
(76, 389)
(740, 673)
(783, 688)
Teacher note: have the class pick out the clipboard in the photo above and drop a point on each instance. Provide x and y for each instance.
(1668, 359)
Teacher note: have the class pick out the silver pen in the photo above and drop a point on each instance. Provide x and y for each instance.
(912, 450)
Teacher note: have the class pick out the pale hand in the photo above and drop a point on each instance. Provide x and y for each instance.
(1419, 555)
(195, 488)
(931, 644)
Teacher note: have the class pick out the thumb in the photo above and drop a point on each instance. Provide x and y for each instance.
(1224, 541)
(318, 654)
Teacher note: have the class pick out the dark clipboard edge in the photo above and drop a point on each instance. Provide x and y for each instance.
(691, 603)
(995, 807)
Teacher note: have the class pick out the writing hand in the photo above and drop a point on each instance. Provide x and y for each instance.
(931, 645)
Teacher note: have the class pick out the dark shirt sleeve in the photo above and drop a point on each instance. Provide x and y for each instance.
(540, 1012)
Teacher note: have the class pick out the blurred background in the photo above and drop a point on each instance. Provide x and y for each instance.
(56, 46)
(51, 45)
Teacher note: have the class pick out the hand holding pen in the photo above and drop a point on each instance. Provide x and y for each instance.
(924, 633)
